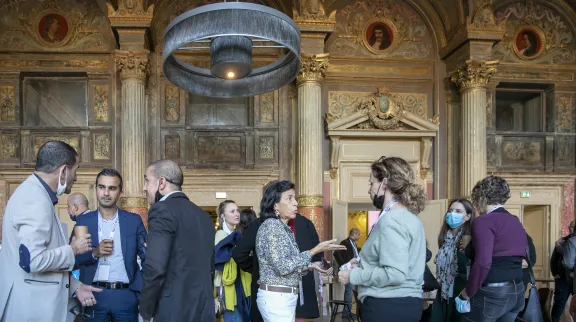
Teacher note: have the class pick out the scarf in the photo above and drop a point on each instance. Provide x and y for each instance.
(447, 263)
(229, 276)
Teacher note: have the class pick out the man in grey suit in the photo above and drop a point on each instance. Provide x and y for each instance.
(177, 270)
(36, 259)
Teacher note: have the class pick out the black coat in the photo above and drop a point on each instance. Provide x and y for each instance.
(177, 271)
(244, 255)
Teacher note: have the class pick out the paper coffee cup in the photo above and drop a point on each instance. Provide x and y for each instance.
(80, 230)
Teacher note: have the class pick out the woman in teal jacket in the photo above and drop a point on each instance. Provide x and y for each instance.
(451, 262)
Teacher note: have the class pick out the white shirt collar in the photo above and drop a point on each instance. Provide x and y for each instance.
(166, 195)
(100, 215)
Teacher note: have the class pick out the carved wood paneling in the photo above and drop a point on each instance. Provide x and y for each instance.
(172, 145)
(101, 104)
(216, 149)
(173, 105)
(565, 110)
(8, 105)
(266, 148)
(266, 109)
(39, 139)
(9, 146)
(101, 146)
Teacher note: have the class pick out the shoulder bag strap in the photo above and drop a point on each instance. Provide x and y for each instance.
(532, 279)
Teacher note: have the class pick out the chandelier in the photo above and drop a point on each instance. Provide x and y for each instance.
(231, 31)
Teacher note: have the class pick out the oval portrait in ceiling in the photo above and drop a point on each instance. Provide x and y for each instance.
(529, 42)
(53, 29)
(380, 36)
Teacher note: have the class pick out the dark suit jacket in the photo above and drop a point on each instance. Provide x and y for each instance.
(133, 236)
(344, 256)
(177, 272)
(245, 256)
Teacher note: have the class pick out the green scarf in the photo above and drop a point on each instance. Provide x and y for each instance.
(229, 276)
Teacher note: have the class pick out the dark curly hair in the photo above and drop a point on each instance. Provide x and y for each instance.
(492, 190)
(400, 182)
(272, 195)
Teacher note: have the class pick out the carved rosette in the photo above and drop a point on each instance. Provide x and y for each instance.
(309, 201)
(313, 68)
(474, 74)
(132, 64)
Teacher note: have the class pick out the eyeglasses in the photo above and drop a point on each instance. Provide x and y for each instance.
(80, 311)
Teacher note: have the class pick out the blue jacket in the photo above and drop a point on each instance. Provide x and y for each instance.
(223, 250)
(133, 236)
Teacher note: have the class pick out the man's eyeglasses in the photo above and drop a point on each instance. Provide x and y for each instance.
(80, 311)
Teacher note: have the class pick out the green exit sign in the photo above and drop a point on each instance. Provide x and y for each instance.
(525, 194)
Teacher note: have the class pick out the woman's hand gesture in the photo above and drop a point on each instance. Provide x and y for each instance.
(327, 246)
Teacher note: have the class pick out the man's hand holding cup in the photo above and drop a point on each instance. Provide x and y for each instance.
(104, 249)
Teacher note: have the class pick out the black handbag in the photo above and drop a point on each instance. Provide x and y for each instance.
(430, 282)
(532, 310)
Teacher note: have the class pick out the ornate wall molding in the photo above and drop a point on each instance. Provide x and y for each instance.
(309, 201)
(133, 202)
(313, 68)
(474, 74)
(132, 64)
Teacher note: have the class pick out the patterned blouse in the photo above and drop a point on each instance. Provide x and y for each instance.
(281, 262)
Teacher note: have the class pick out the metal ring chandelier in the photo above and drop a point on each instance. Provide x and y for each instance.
(232, 29)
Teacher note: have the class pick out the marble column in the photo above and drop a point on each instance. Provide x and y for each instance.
(132, 67)
(472, 80)
(310, 178)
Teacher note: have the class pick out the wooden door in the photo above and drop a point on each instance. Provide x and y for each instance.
(535, 221)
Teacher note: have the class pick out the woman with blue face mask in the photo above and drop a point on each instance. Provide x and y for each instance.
(451, 263)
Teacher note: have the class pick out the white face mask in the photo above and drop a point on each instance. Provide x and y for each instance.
(62, 187)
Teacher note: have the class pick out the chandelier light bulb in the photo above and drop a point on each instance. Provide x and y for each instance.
(231, 75)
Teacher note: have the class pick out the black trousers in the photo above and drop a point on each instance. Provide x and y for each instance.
(404, 309)
(496, 304)
(561, 294)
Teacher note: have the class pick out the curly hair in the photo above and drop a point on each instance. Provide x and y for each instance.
(400, 182)
(492, 190)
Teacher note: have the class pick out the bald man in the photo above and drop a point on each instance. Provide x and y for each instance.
(177, 270)
(77, 205)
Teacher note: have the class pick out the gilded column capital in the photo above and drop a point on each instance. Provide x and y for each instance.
(309, 201)
(313, 68)
(132, 64)
(474, 74)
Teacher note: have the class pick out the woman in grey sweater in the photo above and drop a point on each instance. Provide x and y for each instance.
(390, 273)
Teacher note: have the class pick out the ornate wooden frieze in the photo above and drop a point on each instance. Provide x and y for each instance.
(213, 148)
(522, 151)
(132, 64)
(474, 74)
(7, 103)
(313, 68)
(53, 63)
(101, 146)
(39, 140)
(564, 147)
(172, 147)
(171, 103)
(266, 148)
(267, 108)
(8, 145)
(100, 102)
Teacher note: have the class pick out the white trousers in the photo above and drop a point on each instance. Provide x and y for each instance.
(276, 306)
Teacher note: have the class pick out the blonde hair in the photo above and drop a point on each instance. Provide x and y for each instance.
(400, 182)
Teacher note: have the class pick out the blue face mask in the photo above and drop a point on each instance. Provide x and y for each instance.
(454, 219)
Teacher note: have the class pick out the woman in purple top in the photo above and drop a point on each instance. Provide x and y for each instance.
(494, 288)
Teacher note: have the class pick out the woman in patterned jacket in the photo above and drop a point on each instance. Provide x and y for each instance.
(451, 262)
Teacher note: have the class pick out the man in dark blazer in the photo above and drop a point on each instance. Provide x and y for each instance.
(344, 256)
(119, 238)
(177, 271)
(245, 256)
